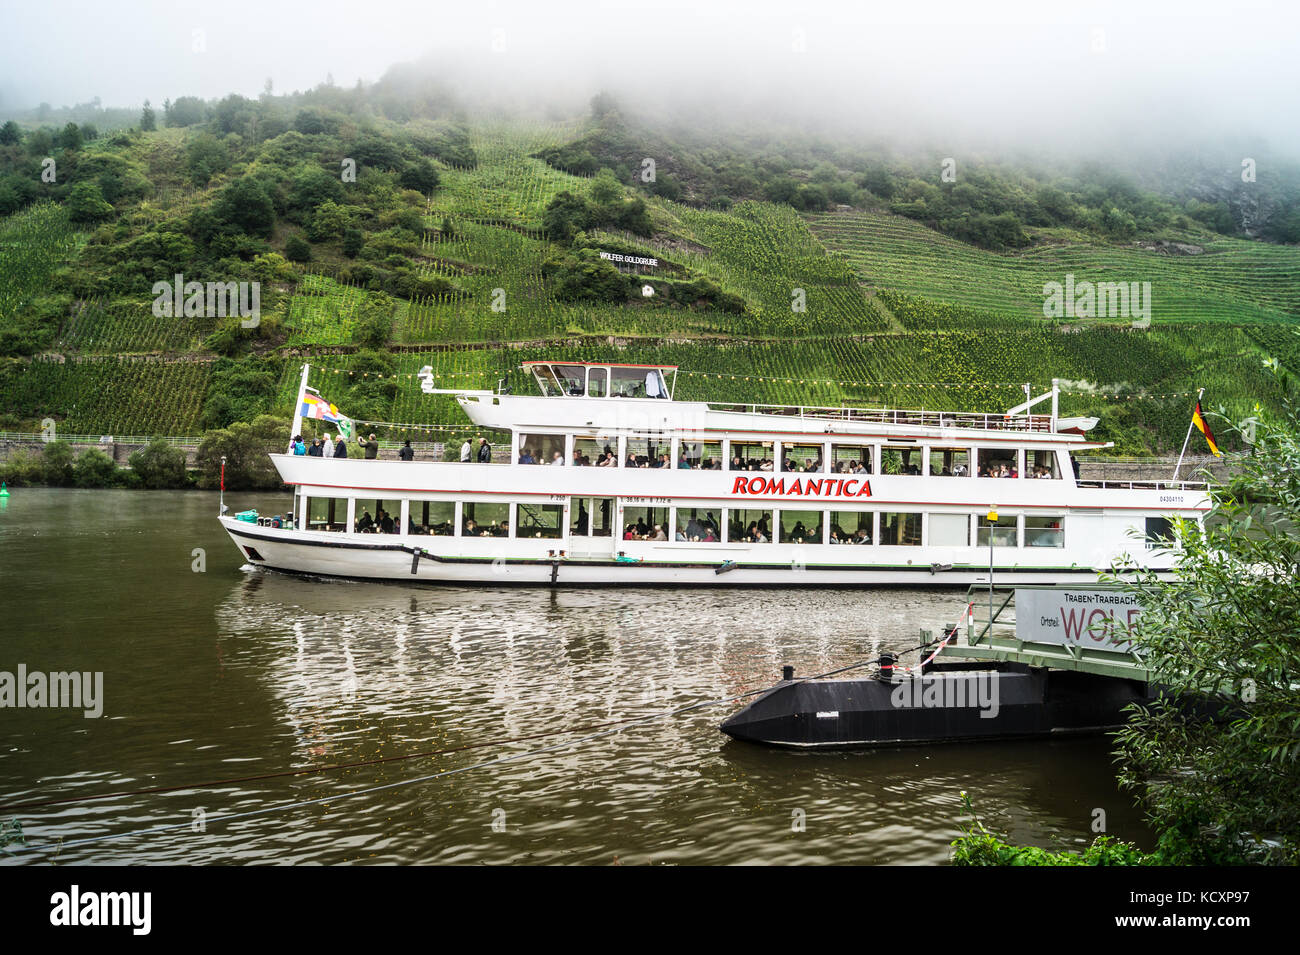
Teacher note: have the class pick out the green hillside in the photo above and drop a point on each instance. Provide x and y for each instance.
(756, 302)
(1231, 280)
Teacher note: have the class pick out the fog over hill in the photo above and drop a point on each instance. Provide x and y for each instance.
(1111, 80)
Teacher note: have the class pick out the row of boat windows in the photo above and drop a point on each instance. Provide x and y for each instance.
(599, 517)
(830, 458)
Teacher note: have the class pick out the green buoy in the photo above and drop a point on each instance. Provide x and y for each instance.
(4, 489)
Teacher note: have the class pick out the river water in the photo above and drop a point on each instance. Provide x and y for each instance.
(215, 671)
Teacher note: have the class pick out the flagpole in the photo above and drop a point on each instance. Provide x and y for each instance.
(297, 408)
(1189, 434)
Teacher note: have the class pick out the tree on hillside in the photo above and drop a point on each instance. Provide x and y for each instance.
(205, 157)
(312, 186)
(297, 249)
(185, 111)
(148, 122)
(1224, 792)
(71, 137)
(565, 216)
(10, 134)
(86, 203)
(246, 204)
(420, 176)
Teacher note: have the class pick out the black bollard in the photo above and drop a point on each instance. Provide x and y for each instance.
(787, 673)
(887, 661)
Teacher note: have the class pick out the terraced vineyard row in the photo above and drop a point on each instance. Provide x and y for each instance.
(123, 327)
(1231, 281)
(107, 395)
(507, 184)
(33, 243)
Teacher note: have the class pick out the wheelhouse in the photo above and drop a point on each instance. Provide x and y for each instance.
(587, 380)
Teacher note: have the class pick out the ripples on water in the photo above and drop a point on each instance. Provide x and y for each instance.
(239, 672)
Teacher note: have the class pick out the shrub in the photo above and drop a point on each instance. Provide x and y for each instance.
(297, 249)
(245, 448)
(93, 468)
(56, 464)
(159, 465)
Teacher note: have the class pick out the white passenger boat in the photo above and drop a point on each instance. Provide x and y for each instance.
(604, 478)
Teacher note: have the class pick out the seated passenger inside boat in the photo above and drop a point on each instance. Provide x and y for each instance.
(365, 523)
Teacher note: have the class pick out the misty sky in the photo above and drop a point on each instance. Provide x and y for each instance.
(1035, 73)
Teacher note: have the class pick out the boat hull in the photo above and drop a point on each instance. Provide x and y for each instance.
(994, 702)
(392, 558)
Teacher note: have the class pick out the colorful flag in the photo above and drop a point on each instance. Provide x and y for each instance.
(314, 406)
(1198, 419)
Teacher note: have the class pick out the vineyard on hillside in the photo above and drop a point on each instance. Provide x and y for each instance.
(849, 307)
(33, 243)
(1232, 280)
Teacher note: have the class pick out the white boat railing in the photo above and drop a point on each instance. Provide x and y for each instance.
(901, 417)
(1147, 485)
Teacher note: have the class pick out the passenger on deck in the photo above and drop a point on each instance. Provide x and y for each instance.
(484, 451)
(296, 446)
(371, 446)
(314, 450)
(406, 452)
(341, 448)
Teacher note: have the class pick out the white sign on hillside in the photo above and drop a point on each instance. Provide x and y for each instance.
(629, 259)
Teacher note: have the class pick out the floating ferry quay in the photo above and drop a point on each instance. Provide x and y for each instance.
(604, 478)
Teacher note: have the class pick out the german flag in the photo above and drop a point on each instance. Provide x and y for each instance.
(1198, 419)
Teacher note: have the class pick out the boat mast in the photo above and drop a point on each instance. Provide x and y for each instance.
(1177, 466)
(297, 408)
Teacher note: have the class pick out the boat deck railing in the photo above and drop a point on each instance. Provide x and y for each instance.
(901, 417)
(1147, 485)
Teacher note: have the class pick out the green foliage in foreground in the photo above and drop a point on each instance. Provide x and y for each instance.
(980, 847)
(1223, 793)
(1216, 762)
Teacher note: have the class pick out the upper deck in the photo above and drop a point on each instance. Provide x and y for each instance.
(621, 398)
